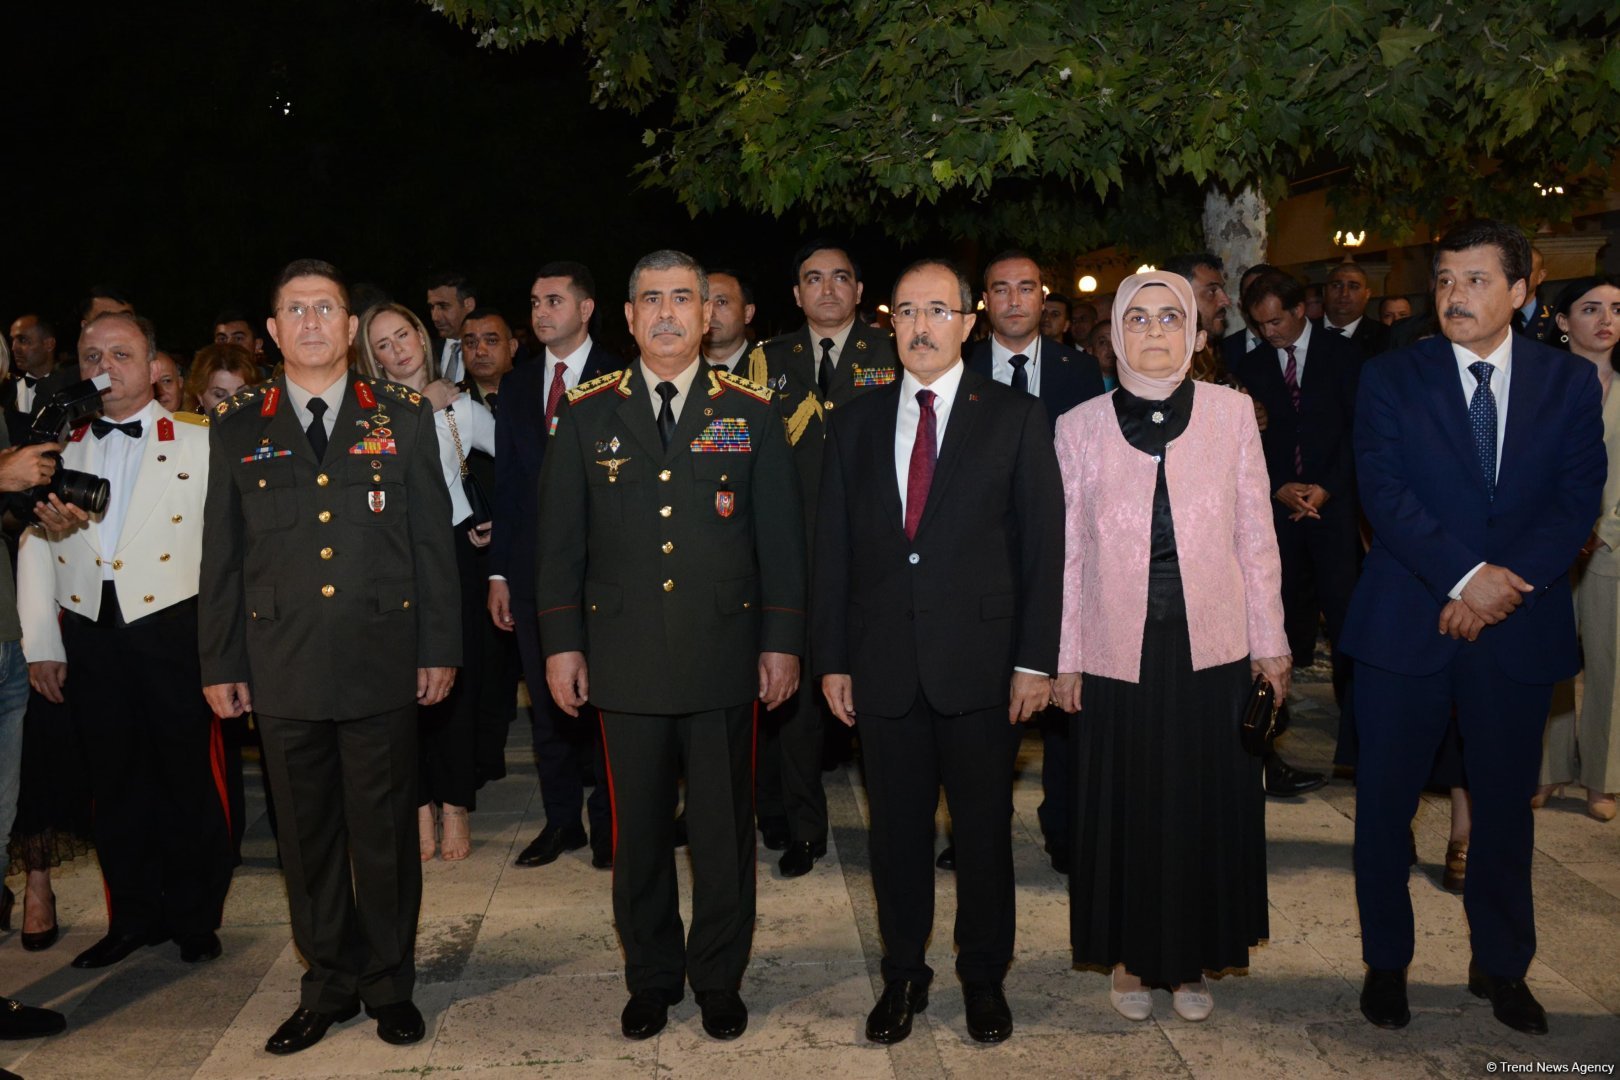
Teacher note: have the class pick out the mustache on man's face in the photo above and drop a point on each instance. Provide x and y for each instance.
(1457, 311)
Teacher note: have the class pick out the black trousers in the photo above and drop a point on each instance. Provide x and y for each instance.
(1404, 720)
(646, 756)
(1057, 778)
(157, 769)
(564, 746)
(448, 739)
(906, 759)
(345, 795)
(789, 767)
(1320, 563)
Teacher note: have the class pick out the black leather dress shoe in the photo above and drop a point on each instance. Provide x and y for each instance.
(800, 858)
(1281, 780)
(989, 1019)
(109, 950)
(774, 834)
(890, 1019)
(304, 1028)
(724, 1014)
(1383, 998)
(550, 844)
(399, 1022)
(1060, 859)
(602, 852)
(1511, 1001)
(646, 1013)
(680, 828)
(947, 858)
(198, 948)
(19, 1021)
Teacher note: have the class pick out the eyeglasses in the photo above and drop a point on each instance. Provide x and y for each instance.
(937, 314)
(325, 309)
(1137, 322)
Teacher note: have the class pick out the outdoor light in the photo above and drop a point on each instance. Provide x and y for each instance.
(1545, 191)
(1046, 290)
(1146, 268)
(883, 308)
(1087, 284)
(981, 304)
(1350, 239)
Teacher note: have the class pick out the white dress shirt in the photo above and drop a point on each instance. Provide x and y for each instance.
(905, 428)
(732, 362)
(117, 458)
(299, 399)
(1501, 361)
(1001, 368)
(1301, 347)
(683, 387)
(573, 366)
(1348, 329)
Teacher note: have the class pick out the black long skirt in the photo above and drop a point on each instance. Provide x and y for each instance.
(1169, 839)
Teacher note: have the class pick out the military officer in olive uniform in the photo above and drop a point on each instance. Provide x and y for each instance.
(670, 589)
(827, 363)
(331, 608)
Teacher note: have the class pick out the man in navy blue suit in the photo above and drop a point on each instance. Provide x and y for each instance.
(1480, 463)
(1017, 355)
(561, 301)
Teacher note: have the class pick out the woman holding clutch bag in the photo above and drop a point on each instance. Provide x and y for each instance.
(394, 346)
(1171, 606)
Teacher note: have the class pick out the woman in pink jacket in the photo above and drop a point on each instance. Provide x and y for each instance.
(1172, 603)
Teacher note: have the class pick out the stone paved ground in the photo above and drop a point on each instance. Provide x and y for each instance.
(520, 969)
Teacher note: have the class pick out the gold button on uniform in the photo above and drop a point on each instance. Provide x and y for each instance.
(149, 598)
(665, 511)
(377, 477)
(118, 564)
(669, 546)
(98, 562)
(177, 519)
(74, 598)
(327, 590)
(669, 586)
(324, 516)
(323, 480)
(61, 560)
(263, 482)
(664, 476)
(326, 553)
(406, 605)
(163, 557)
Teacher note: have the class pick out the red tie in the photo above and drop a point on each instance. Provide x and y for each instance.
(554, 396)
(1291, 377)
(924, 452)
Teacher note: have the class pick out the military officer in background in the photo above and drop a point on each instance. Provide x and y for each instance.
(332, 612)
(112, 600)
(670, 588)
(826, 363)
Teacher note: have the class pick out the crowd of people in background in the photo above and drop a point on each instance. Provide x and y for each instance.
(907, 532)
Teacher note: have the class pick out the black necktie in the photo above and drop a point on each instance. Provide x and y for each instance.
(825, 373)
(1020, 379)
(102, 427)
(316, 432)
(1336, 329)
(666, 414)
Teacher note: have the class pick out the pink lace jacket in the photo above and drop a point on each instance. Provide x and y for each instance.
(1220, 499)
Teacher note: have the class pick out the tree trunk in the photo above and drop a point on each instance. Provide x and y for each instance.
(1235, 229)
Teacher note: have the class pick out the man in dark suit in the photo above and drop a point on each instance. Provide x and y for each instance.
(1306, 379)
(726, 343)
(1017, 355)
(1345, 310)
(561, 302)
(832, 360)
(333, 614)
(938, 567)
(671, 592)
(450, 299)
(1238, 343)
(1480, 462)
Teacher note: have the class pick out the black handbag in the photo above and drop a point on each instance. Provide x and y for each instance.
(482, 512)
(1262, 718)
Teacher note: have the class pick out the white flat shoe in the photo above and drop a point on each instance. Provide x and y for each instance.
(1193, 1002)
(1132, 1005)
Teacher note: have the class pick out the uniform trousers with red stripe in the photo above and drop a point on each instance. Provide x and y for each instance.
(155, 760)
(646, 756)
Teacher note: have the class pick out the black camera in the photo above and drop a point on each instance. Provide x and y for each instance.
(53, 423)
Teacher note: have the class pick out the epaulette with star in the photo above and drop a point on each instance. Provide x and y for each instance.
(744, 386)
(399, 392)
(594, 386)
(245, 396)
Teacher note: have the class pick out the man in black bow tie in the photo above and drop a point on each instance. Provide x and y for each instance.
(114, 601)
(33, 377)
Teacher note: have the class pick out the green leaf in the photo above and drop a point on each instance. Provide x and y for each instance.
(1397, 44)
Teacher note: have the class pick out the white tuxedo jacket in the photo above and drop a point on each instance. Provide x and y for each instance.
(159, 548)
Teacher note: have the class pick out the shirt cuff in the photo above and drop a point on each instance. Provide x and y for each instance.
(1032, 671)
(497, 577)
(1457, 589)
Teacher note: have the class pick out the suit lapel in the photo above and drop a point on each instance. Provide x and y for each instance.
(958, 429)
(882, 452)
(1437, 371)
(77, 455)
(1526, 396)
(150, 481)
(692, 419)
(635, 413)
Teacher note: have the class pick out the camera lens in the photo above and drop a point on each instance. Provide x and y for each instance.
(85, 490)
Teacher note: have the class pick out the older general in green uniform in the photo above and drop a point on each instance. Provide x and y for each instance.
(330, 606)
(824, 365)
(670, 591)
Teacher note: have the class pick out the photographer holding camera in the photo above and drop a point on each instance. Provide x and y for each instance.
(20, 469)
(124, 581)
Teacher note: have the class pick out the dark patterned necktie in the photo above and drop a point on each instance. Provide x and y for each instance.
(1291, 377)
(1482, 419)
(924, 454)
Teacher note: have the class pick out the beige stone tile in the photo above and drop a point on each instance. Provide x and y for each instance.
(515, 944)
(1140, 1052)
(717, 1062)
(803, 1006)
(542, 1024)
